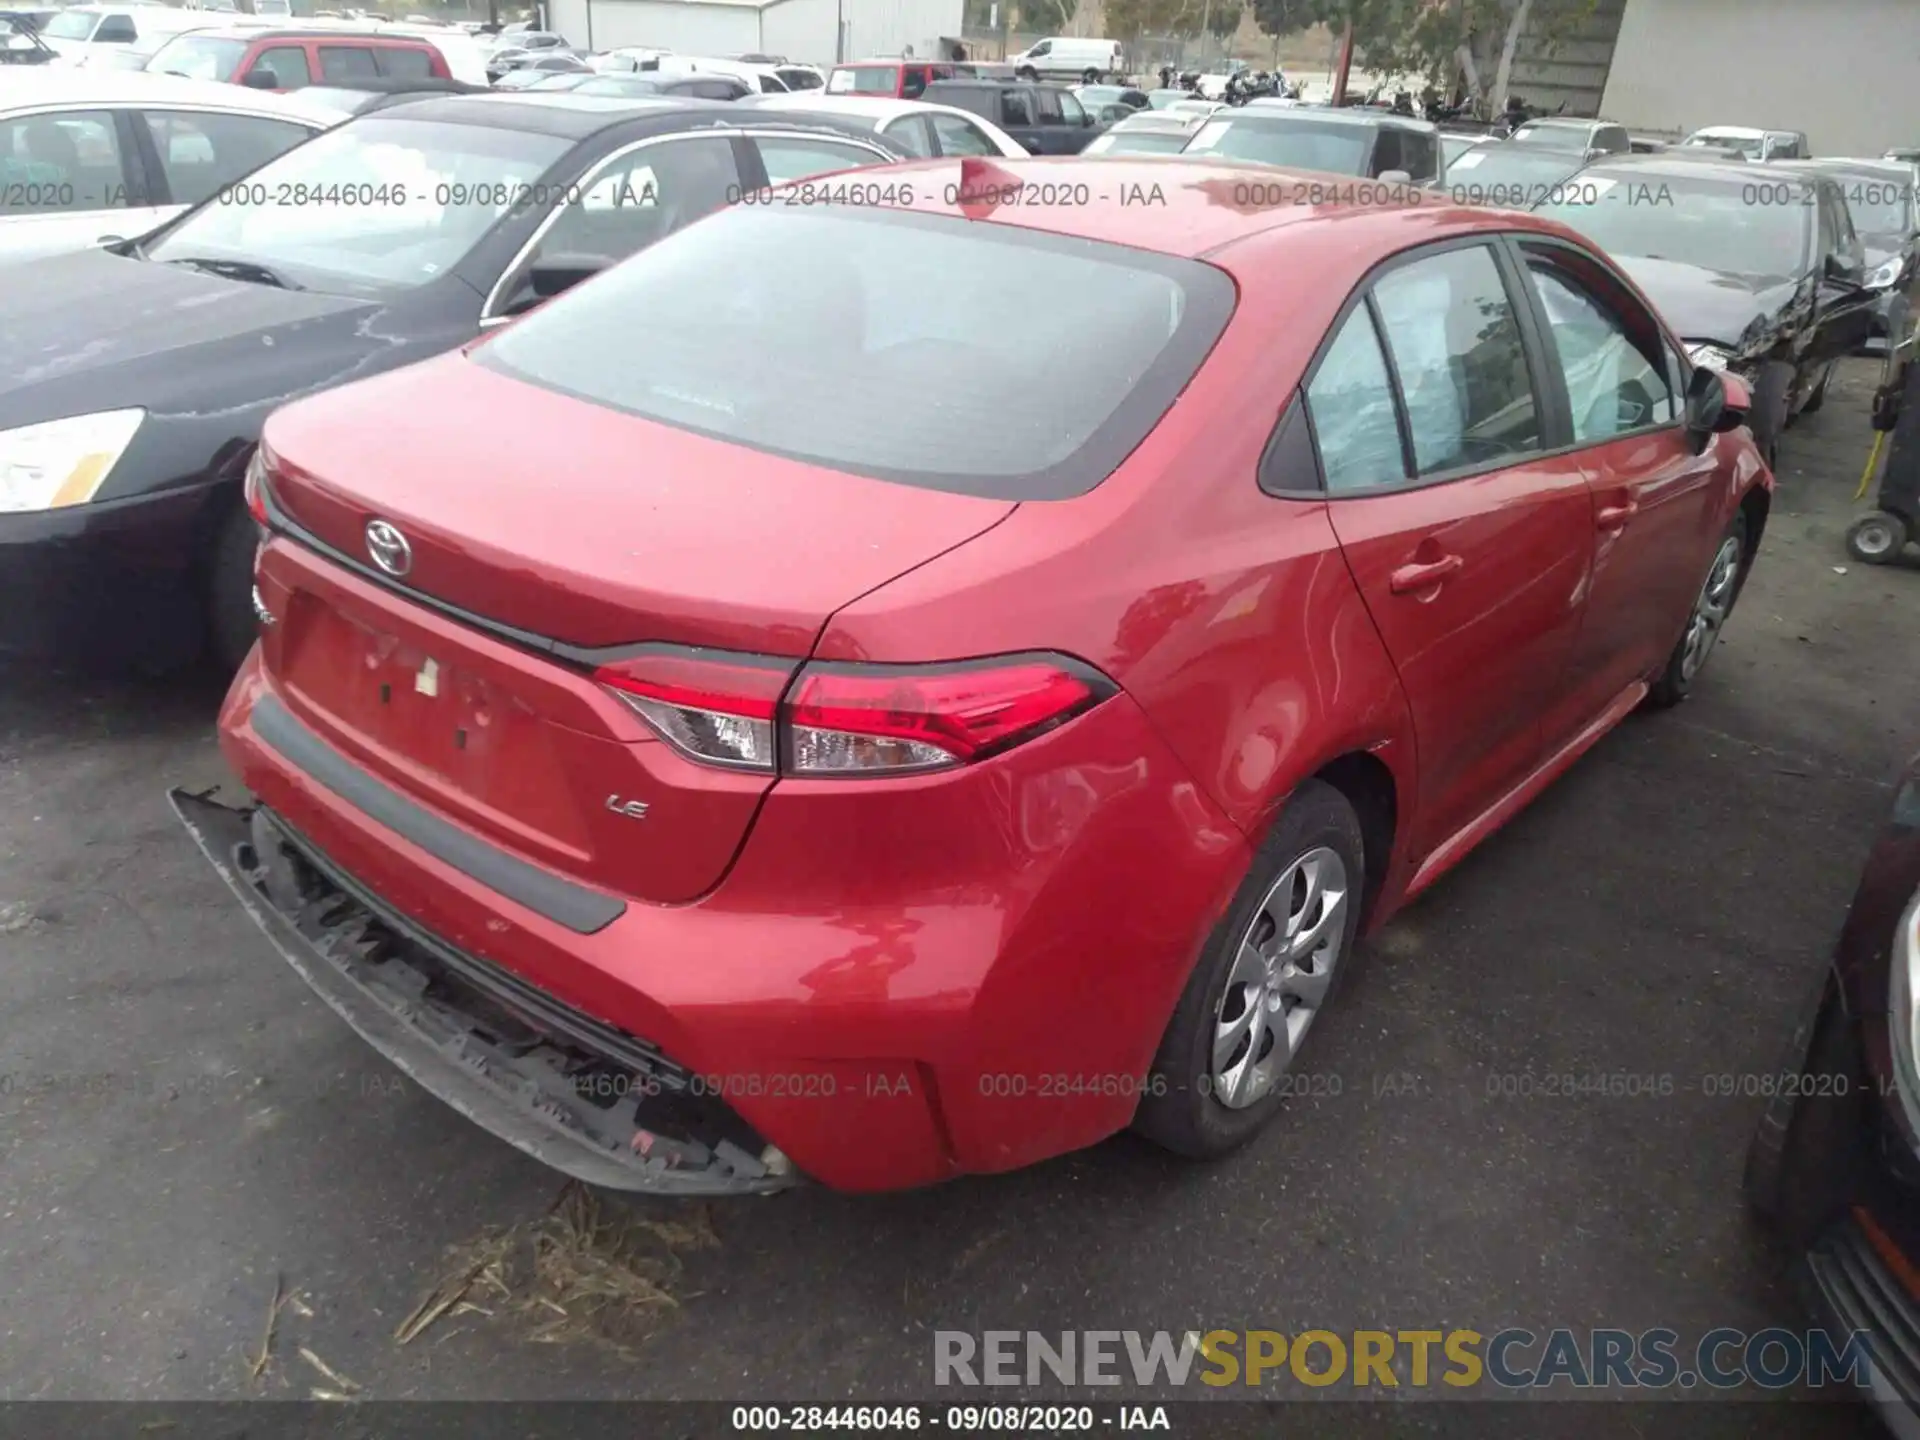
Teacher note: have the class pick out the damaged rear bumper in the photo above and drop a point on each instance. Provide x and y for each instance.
(567, 1089)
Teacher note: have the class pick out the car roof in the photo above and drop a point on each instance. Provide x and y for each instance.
(1674, 165)
(302, 32)
(1202, 206)
(1847, 165)
(28, 87)
(1738, 132)
(1157, 122)
(1313, 114)
(562, 115)
(1562, 122)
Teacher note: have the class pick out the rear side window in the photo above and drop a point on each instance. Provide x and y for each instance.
(921, 349)
(346, 62)
(1463, 370)
(1019, 107)
(913, 81)
(1350, 401)
(405, 62)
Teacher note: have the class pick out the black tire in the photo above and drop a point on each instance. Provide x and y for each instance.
(1027, 73)
(1805, 1159)
(1877, 538)
(1772, 393)
(1186, 1116)
(1090, 76)
(1676, 681)
(231, 623)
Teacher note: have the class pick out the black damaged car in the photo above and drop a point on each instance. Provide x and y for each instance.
(134, 380)
(1756, 267)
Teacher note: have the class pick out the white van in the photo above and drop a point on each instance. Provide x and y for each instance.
(1061, 57)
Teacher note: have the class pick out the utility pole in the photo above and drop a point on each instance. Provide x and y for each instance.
(1344, 68)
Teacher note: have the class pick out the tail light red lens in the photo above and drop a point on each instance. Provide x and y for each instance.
(851, 720)
(255, 488)
(858, 720)
(719, 711)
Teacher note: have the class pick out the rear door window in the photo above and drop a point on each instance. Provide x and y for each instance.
(202, 152)
(347, 62)
(1456, 347)
(1046, 104)
(287, 64)
(404, 62)
(1016, 108)
(913, 81)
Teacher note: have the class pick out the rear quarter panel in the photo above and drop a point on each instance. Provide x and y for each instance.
(1228, 614)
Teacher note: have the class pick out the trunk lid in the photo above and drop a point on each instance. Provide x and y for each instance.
(580, 529)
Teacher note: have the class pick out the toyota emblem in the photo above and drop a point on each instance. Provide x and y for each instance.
(389, 548)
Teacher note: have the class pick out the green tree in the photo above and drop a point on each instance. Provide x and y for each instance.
(1470, 41)
(1047, 17)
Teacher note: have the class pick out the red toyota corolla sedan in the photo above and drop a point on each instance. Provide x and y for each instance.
(876, 692)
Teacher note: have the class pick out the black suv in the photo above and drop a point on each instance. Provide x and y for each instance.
(1047, 119)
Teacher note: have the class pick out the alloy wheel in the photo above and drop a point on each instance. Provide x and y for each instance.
(1710, 611)
(1280, 977)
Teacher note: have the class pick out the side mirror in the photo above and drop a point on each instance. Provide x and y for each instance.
(1033, 146)
(258, 79)
(552, 275)
(1710, 409)
(1396, 177)
(1086, 117)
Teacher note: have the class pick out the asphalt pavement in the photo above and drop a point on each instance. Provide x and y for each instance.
(186, 1133)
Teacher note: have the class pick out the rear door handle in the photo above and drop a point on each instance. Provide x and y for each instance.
(1411, 579)
(1612, 517)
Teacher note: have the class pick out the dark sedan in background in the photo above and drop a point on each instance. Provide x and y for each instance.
(1879, 196)
(1757, 267)
(134, 380)
(1834, 1169)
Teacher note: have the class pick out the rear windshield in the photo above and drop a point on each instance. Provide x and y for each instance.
(934, 351)
(1302, 144)
(199, 57)
(1139, 142)
(865, 80)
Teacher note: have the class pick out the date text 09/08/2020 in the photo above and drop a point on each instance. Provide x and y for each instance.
(957, 1419)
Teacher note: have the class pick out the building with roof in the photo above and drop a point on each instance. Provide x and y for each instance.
(812, 31)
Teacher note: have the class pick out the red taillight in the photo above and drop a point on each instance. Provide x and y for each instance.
(255, 487)
(857, 720)
(719, 711)
(850, 720)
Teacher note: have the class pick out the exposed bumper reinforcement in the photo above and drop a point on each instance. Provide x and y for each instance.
(515, 1061)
